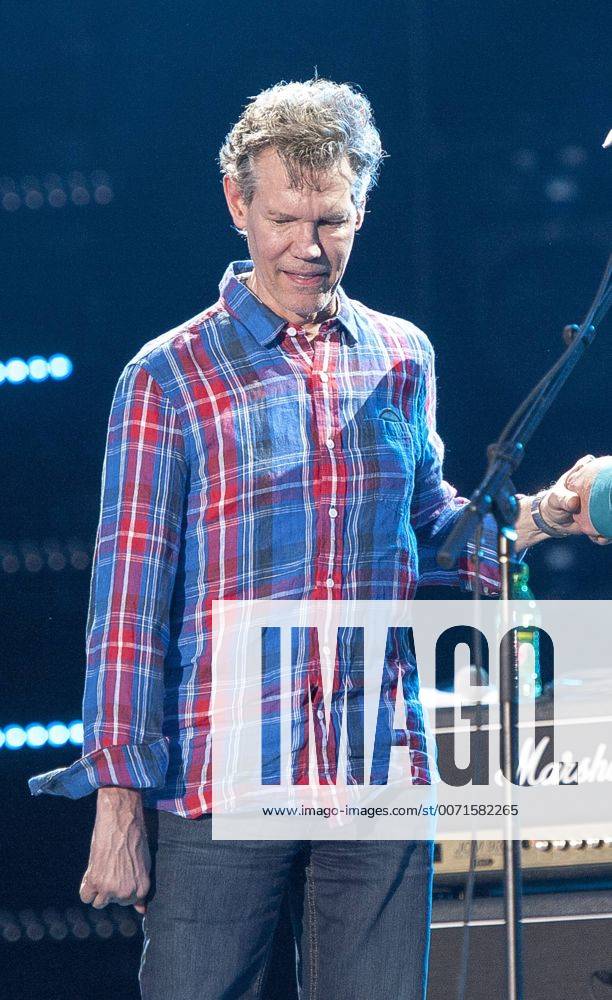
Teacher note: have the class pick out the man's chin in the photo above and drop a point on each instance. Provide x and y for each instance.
(305, 305)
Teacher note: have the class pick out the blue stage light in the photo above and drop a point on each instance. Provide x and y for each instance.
(60, 366)
(58, 734)
(14, 737)
(36, 369)
(39, 368)
(36, 735)
(16, 370)
(76, 732)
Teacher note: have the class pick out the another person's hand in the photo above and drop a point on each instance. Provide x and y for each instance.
(581, 481)
(119, 859)
(564, 507)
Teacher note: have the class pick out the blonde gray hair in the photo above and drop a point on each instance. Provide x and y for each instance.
(312, 125)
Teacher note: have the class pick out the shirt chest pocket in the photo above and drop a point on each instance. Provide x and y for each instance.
(381, 448)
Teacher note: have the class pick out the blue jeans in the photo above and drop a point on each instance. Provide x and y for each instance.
(360, 912)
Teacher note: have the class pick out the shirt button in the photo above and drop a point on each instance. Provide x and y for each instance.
(291, 331)
(324, 376)
(333, 512)
(330, 443)
(329, 582)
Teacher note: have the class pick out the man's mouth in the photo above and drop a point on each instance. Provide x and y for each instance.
(306, 278)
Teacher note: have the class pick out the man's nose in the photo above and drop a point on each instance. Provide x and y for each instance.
(306, 244)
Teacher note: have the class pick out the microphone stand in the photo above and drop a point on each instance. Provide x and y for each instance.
(496, 495)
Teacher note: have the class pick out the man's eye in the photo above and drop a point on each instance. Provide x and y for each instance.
(324, 222)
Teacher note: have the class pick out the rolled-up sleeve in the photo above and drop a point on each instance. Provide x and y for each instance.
(133, 572)
(436, 506)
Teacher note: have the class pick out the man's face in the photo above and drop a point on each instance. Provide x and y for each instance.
(299, 240)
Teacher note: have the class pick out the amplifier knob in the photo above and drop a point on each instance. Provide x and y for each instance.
(560, 845)
(593, 843)
(577, 845)
(542, 845)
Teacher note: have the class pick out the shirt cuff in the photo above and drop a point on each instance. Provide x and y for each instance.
(140, 765)
(489, 568)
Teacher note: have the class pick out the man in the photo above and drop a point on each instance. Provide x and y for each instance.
(280, 444)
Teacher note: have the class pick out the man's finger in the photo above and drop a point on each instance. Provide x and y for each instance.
(125, 900)
(87, 892)
(578, 465)
(141, 907)
(100, 901)
(575, 477)
(563, 501)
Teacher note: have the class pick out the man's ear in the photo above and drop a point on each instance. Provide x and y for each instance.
(360, 214)
(235, 202)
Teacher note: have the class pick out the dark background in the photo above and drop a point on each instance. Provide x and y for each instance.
(489, 229)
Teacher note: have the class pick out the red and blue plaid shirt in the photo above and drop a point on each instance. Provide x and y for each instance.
(244, 461)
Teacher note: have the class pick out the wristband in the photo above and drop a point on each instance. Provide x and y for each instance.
(539, 520)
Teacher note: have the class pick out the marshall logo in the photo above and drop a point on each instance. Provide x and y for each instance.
(589, 770)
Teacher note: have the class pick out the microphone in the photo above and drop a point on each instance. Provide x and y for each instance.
(595, 491)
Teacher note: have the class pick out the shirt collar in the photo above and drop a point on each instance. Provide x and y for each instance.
(264, 324)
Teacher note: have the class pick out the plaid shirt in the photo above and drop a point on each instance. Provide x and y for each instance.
(245, 461)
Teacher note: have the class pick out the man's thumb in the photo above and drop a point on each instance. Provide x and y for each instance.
(562, 499)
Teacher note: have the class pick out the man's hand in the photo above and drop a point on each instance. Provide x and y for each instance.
(561, 507)
(581, 481)
(119, 859)
(578, 481)
(560, 504)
